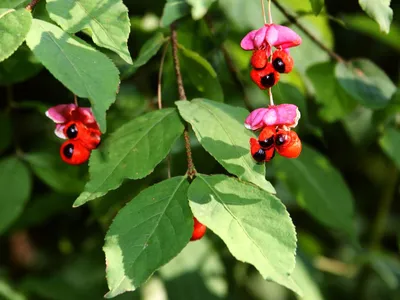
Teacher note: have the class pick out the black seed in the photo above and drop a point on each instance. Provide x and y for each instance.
(259, 155)
(278, 65)
(267, 143)
(280, 139)
(72, 131)
(268, 80)
(68, 150)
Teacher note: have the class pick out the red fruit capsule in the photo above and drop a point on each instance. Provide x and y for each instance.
(259, 59)
(74, 153)
(258, 153)
(198, 230)
(287, 143)
(282, 61)
(266, 137)
(89, 137)
(266, 77)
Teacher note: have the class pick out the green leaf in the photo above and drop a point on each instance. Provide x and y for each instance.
(15, 189)
(106, 21)
(335, 101)
(12, 3)
(146, 234)
(317, 6)
(148, 50)
(174, 10)
(86, 72)
(318, 187)
(389, 113)
(14, 26)
(19, 67)
(201, 74)
(219, 128)
(200, 7)
(253, 224)
(365, 82)
(390, 143)
(55, 173)
(7, 292)
(380, 11)
(131, 152)
(5, 131)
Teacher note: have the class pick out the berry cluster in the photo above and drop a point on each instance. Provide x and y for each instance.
(81, 141)
(282, 140)
(265, 73)
(79, 127)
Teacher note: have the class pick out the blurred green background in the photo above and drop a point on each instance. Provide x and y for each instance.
(51, 251)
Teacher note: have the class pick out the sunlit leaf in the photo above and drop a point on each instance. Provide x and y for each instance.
(380, 11)
(147, 233)
(219, 128)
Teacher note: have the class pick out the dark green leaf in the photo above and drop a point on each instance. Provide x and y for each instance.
(390, 143)
(336, 103)
(389, 112)
(131, 152)
(86, 72)
(19, 67)
(201, 74)
(219, 128)
(253, 224)
(380, 11)
(148, 50)
(318, 187)
(317, 6)
(365, 82)
(55, 173)
(147, 233)
(14, 26)
(174, 10)
(15, 190)
(105, 20)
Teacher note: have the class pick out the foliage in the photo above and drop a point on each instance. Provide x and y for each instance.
(321, 226)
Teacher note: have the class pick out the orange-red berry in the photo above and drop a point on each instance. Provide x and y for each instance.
(198, 230)
(88, 137)
(259, 59)
(265, 78)
(260, 154)
(74, 153)
(287, 143)
(282, 61)
(266, 137)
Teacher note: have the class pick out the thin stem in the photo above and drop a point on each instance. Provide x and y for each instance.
(31, 5)
(269, 12)
(160, 72)
(191, 172)
(159, 96)
(76, 100)
(263, 11)
(293, 20)
(271, 98)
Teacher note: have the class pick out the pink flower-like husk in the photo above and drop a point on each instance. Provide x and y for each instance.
(277, 115)
(64, 113)
(278, 36)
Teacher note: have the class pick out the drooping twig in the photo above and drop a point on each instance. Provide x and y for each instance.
(294, 21)
(182, 96)
(31, 5)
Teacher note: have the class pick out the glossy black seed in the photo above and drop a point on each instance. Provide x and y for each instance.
(259, 155)
(267, 143)
(268, 80)
(279, 65)
(68, 150)
(72, 131)
(280, 139)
